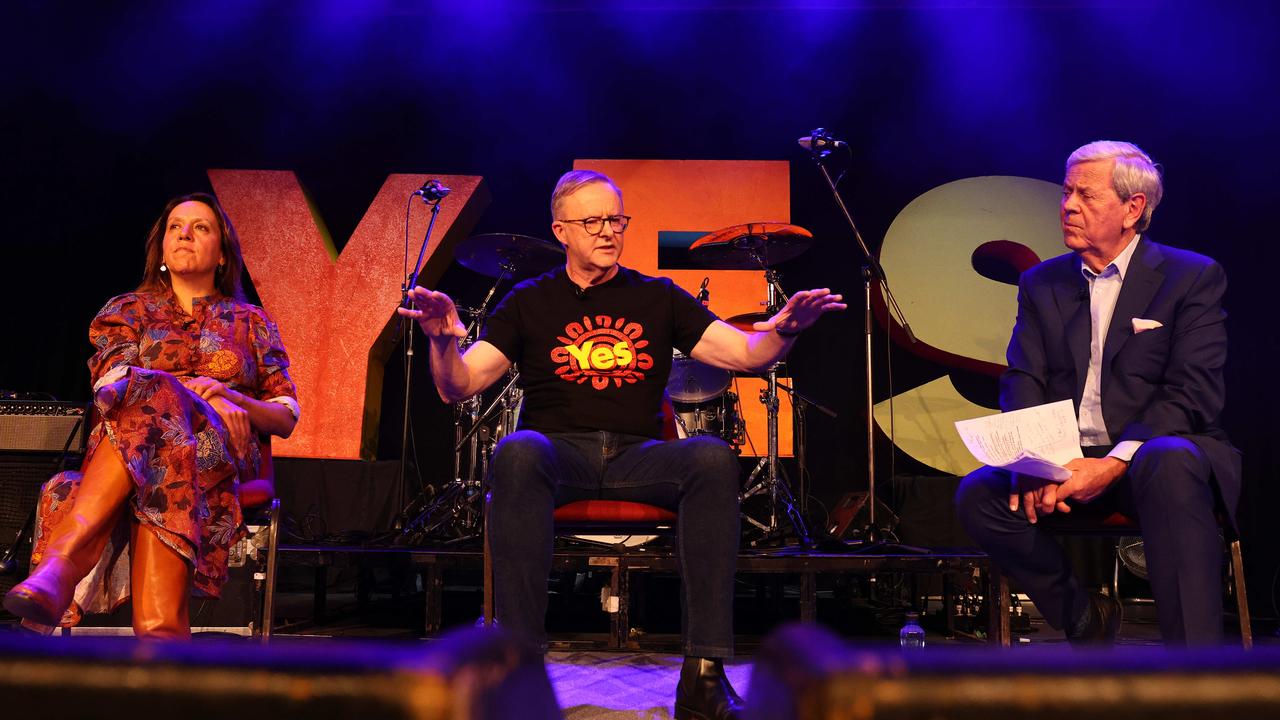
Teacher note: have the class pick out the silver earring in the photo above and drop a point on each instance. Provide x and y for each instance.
(164, 268)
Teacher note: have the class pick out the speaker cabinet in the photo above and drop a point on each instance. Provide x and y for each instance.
(475, 674)
(33, 436)
(806, 672)
(21, 475)
(41, 426)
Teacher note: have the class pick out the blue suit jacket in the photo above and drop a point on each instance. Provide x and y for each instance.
(1166, 381)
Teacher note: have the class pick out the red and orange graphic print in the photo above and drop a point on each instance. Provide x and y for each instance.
(602, 350)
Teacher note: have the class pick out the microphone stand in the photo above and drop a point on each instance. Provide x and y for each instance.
(411, 281)
(870, 537)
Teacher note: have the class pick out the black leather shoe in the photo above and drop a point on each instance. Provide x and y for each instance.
(704, 693)
(1103, 624)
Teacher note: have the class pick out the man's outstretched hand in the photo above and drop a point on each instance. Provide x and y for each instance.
(802, 310)
(435, 312)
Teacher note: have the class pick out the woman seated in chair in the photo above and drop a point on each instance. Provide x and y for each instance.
(186, 375)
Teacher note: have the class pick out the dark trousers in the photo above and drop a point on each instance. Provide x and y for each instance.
(1168, 488)
(697, 477)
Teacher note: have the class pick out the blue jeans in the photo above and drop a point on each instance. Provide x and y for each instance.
(697, 477)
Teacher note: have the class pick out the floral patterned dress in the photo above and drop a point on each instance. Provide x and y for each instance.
(175, 446)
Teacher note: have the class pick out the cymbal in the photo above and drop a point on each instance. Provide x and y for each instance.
(746, 320)
(520, 255)
(747, 247)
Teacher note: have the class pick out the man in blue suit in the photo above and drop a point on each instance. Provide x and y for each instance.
(1134, 333)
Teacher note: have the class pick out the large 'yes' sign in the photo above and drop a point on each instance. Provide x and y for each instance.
(952, 257)
(336, 310)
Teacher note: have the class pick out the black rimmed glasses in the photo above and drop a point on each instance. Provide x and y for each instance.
(595, 225)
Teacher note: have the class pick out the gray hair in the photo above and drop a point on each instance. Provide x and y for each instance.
(1135, 172)
(571, 182)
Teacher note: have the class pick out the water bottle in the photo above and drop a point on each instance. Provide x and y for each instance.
(912, 635)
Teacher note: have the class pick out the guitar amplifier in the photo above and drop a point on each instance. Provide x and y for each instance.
(32, 436)
(41, 425)
(21, 476)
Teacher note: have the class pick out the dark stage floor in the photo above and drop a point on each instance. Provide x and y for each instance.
(599, 685)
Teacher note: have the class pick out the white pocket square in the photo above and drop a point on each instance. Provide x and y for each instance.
(1143, 325)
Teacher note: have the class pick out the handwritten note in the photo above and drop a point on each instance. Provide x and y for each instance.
(1036, 441)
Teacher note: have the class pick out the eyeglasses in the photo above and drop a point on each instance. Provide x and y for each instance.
(595, 225)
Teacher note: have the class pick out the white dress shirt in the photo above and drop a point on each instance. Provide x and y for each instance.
(1104, 290)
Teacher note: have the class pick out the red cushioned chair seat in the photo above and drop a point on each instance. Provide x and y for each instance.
(1119, 520)
(1114, 522)
(1085, 521)
(609, 511)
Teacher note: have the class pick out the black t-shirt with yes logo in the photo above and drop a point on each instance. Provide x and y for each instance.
(595, 359)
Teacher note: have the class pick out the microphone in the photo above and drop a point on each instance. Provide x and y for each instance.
(579, 292)
(432, 191)
(820, 142)
(704, 295)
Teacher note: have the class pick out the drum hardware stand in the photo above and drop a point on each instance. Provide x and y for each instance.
(456, 511)
(767, 475)
(798, 402)
(506, 401)
(870, 535)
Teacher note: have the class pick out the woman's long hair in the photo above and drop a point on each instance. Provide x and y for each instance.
(226, 277)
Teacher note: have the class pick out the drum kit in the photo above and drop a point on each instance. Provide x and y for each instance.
(700, 394)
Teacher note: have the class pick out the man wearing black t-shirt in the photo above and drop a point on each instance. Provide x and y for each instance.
(594, 345)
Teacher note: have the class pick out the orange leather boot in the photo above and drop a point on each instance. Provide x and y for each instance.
(161, 584)
(76, 543)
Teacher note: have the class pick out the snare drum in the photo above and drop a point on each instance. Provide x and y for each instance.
(703, 406)
(717, 416)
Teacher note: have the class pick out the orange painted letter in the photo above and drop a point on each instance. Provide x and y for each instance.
(337, 312)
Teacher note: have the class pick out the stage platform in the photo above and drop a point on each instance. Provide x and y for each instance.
(624, 566)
